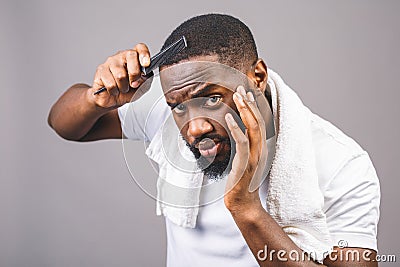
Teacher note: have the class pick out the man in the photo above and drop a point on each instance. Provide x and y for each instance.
(243, 229)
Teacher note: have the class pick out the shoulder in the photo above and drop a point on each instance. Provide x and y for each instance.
(333, 149)
(140, 120)
(349, 183)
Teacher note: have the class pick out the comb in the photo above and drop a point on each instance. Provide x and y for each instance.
(158, 59)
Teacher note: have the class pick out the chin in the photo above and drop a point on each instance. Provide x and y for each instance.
(216, 169)
(215, 175)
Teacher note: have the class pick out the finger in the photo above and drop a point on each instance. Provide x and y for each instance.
(250, 103)
(97, 83)
(133, 68)
(266, 110)
(120, 76)
(255, 108)
(143, 53)
(257, 138)
(256, 111)
(251, 125)
(108, 80)
(259, 174)
(240, 160)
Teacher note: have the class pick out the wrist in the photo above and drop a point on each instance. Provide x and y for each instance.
(245, 209)
(92, 100)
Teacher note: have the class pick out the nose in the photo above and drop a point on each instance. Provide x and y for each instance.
(198, 127)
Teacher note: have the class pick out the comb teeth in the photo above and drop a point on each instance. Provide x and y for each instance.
(163, 55)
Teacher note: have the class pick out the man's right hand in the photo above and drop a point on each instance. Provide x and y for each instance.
(121, 75)
(81, 115)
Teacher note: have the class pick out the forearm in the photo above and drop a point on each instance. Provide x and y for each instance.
(73, 115)
(270, 245)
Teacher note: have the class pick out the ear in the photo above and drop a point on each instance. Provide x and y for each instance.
(259, 74)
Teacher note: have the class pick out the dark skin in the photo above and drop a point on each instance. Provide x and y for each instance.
(81, 116)
(210, 98)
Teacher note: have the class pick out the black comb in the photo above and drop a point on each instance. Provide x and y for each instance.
(158, 59)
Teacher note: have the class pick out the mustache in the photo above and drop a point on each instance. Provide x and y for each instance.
(215, 137)
(216, 168)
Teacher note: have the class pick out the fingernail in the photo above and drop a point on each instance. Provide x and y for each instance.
(250, 96)
(135, 84)
(240, 90)
(145, 61)
(238, 96)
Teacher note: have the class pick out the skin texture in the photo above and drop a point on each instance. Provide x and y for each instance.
(81, 116)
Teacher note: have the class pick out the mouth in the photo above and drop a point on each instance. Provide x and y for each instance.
(209, 148)
(212, 154)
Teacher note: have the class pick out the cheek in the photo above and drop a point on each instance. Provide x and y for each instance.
(218, 117)
(221, 128)
(182, 126)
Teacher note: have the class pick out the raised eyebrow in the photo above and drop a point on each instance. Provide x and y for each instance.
(203, 91)
(172, 105)
(200, 93)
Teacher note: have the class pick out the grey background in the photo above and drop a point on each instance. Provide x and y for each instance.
(69, 204)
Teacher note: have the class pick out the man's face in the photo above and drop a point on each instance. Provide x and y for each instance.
(199, 105)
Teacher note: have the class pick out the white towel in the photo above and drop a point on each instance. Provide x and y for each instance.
(179, 178)
(294, 199)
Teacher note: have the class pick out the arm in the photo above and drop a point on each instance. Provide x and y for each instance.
(75, 117)
(80, 115)
(270, 245)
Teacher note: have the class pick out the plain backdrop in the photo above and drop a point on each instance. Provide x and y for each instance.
(69, 204)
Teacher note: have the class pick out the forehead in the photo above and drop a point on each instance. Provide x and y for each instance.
(189, 78)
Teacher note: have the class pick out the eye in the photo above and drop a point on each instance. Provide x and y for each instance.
(180, 108)
(213, 101)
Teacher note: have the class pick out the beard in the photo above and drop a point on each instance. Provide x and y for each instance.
(216, 169)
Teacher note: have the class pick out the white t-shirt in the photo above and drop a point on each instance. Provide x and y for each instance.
(346, 176)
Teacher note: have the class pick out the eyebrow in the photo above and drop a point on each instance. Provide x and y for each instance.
(172, 105)
(203, 91)
(200, 93)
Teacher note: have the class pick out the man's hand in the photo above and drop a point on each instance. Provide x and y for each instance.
(251, 154)
(121, 75)
(81, 115)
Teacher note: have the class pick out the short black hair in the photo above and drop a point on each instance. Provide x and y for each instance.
(215, 34)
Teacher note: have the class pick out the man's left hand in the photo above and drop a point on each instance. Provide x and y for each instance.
(249, 162)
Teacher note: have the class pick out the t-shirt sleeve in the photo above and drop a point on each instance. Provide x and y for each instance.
(132, 121)
(352, 200)
(141, 119)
